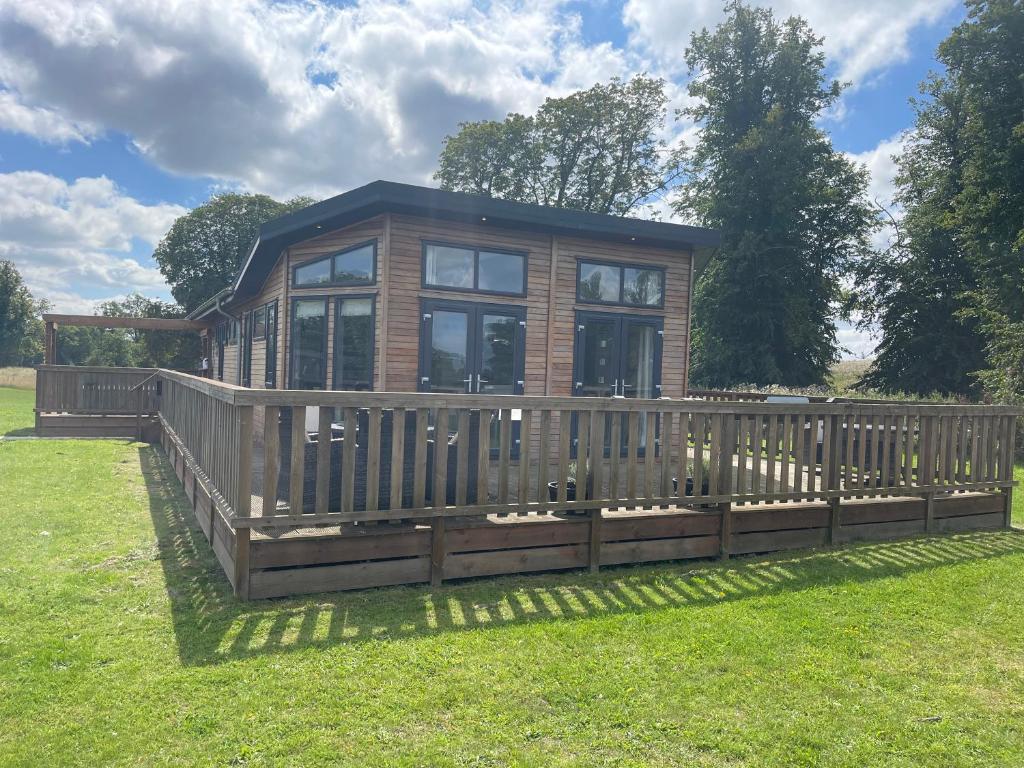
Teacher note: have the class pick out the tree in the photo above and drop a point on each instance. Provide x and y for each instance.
(203, 250)
(155, 349)
(19, 319)
(950, 299)
(594, 150)
(792, 211)
(984, 58)
(915, 291)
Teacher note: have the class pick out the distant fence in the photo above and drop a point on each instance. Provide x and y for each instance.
(95, 390)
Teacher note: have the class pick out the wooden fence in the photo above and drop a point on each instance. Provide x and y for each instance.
(94, 391)
(269, 463)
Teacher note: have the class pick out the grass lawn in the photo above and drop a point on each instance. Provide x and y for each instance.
(120, 644)
(16, 417)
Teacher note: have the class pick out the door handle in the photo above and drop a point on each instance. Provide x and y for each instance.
(480, 381)
(615, 388)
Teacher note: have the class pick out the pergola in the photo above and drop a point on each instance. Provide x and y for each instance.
(99, 321)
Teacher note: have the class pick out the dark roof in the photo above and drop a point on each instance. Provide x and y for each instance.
(387, 196)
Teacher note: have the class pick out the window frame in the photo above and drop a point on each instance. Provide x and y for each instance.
(293, 347)
(270, 358)
(336, 337)
(476, 289)
(257, 313)
(334, 282)
(622, 266)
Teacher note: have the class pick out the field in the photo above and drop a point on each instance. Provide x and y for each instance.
(120, 644)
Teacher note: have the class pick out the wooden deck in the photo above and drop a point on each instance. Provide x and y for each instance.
(288, 510)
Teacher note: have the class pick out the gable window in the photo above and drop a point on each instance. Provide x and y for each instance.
(353, 342)
(353, 266)
(462, 268)
(607, 283)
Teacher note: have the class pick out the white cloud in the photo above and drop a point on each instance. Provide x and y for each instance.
(288, 98)
(862, 37)
(73, 242)
(882, 188)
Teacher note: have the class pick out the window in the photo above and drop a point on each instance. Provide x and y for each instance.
(270, 362)
(259, 323)
(471, 269)
(353, 342)
(352, 266)
(309, 344)
(602, 283)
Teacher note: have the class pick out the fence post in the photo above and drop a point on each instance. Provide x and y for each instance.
(725, 483)
(1008, 466)
(832, 438)
(243, 499)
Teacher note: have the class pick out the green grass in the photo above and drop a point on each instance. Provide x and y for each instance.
(120, 644)
(16, 416)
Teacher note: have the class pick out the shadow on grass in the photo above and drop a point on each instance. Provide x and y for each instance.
(211, 626)
(21, 432)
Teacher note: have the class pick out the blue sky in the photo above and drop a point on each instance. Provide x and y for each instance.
(116, 117)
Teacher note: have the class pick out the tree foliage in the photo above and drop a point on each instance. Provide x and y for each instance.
(595, 150)
(950, 298)
(791, 209)
(130, 347)
(203, 250)
(20, 325)
(914, 291)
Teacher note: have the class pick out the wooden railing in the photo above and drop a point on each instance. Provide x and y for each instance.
(738, 396)
(497, 455)
(93, 390)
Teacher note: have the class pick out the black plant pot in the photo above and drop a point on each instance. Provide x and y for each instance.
(704, 486)
(570, 495)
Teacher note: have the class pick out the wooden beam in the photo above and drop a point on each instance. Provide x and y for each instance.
(137, 323)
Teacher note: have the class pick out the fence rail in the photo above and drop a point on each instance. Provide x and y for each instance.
(433, 456)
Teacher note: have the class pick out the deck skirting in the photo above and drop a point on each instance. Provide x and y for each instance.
(357, 556)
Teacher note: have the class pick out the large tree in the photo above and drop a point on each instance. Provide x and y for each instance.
(984, 58)
(914, 292)
(203, 249)
(950, 298)
(20, 326)
(595, 150)
(791, 209)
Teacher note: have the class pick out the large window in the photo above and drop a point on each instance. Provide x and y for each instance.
(353, 342)
(635, 286)
(309, 344)
(462, 268)
(352, 266)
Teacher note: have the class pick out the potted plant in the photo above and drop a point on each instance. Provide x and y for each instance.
(570, 485)
(689, 479)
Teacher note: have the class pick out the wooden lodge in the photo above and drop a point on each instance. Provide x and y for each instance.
(408, 385)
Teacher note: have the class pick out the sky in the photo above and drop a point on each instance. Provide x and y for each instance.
(117, 117)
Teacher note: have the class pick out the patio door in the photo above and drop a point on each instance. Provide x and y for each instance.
(472, 348)
(618, 356)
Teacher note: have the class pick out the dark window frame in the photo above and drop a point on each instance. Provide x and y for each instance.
(335, 341)
(476, 290)
(334, 282)
(293, 347)
(622, 266)
(260, 311)
(270, 359)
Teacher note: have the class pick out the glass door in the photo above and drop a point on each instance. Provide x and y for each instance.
(618, 356)
(472, 348)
